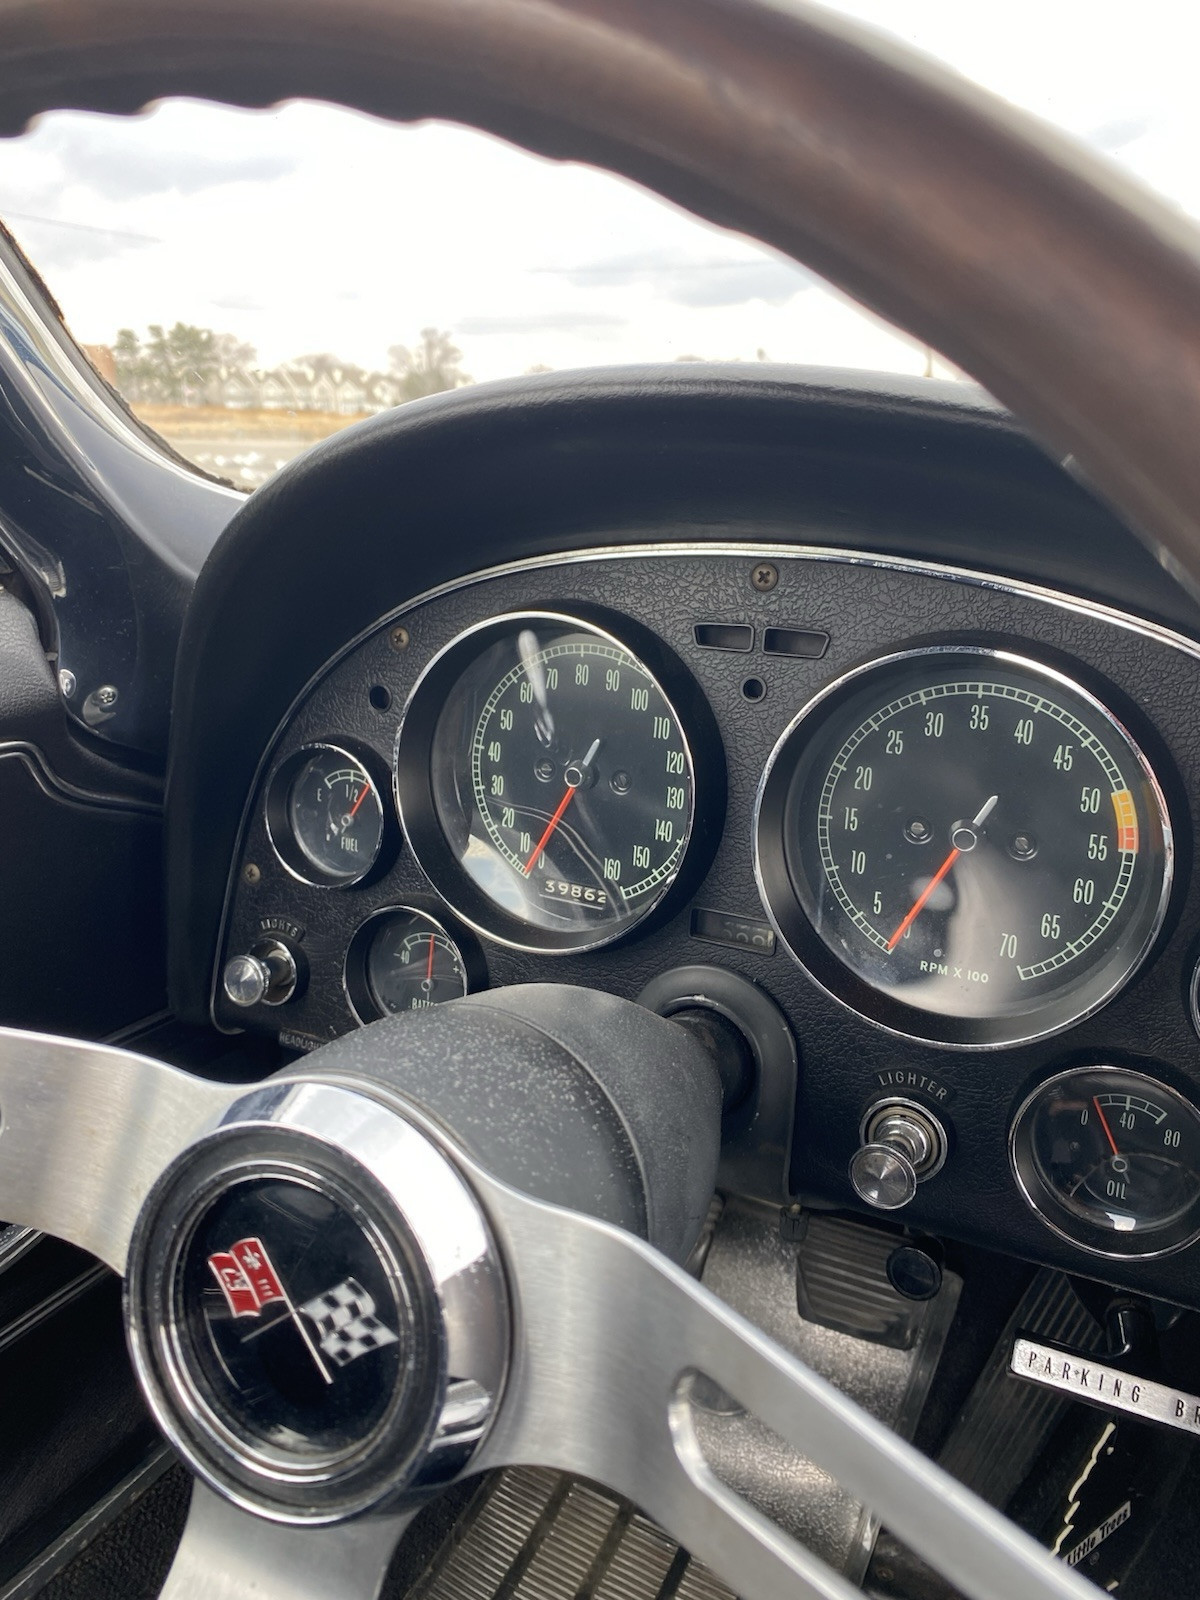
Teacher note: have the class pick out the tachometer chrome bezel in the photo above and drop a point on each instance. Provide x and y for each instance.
(809, 950)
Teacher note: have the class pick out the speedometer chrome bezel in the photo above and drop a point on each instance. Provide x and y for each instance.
(413, 792)
(804, 944)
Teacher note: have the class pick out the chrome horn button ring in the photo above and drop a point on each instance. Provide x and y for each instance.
(315, 1307)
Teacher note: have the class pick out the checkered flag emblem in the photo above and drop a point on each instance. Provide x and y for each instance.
(346, 1324)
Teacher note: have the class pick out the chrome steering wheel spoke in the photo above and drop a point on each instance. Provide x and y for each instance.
(85, 1130)
(229, 1554)
(613, 1335)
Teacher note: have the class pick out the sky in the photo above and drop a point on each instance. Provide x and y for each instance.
(311, 229)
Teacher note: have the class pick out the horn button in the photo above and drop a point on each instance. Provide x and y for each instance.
(315, 1307)
(296, 1318)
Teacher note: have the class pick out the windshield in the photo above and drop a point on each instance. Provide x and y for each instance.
(253, 281)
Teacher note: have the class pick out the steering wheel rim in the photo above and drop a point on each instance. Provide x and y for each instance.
(1069, 292)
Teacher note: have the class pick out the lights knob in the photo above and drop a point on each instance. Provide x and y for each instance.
(903, 1144)
(267, 973)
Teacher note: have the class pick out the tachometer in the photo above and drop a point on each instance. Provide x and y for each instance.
(965, 846)
(542, 761)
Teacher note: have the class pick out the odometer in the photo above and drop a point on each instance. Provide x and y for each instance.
(966, 846)
(560, 778)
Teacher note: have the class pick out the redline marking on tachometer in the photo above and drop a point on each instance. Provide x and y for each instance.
(1127, 823)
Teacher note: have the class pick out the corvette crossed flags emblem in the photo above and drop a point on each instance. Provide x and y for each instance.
(344, 1316)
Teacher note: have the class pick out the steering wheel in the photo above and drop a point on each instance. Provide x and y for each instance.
(450, 1292)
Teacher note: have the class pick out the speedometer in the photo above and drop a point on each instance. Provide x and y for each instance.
(546, 782)
(965, 846)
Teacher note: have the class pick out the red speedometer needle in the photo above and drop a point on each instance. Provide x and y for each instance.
(576, 775)
(969, 843)
(1104, 1125)
(550, 827)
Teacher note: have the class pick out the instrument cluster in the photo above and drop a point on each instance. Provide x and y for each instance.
(929, 832)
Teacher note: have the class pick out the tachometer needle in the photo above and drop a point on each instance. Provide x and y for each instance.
(976, 822)
(578, 773)
(1104, 1125)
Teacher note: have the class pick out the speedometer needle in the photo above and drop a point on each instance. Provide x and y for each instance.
(576, 775)
(976, 822)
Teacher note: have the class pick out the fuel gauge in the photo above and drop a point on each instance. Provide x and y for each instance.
(325, 816)
(403, 960)
(1110, 1159)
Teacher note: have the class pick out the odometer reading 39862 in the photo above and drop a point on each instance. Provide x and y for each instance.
(561, 781)
(964, 845)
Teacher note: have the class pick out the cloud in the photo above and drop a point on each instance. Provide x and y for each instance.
(526, 322)
(117, 161)
(55, 245)
(239, 302)
(696, 283)
(1120, 131)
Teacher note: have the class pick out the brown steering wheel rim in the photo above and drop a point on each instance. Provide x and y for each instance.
(1070, 293)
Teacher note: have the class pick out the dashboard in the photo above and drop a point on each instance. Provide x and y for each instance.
(930, 826)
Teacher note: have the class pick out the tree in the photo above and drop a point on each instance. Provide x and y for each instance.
(430, 368)
(183, 361)
(232, 354)
(177, 365)
(129, 360)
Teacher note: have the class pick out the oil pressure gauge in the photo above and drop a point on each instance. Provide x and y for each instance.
(1110, 1159)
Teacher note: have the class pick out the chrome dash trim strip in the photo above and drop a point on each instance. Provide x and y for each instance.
(749, 550)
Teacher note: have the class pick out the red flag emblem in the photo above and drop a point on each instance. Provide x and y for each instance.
(247, 1279)
(239, 1296)
(251, 1255)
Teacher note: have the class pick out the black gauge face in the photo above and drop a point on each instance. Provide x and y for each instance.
(561, 781)
(327, 825)
(965, 846)
(295, 1323)
(1111, 1159)
(403, 960)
